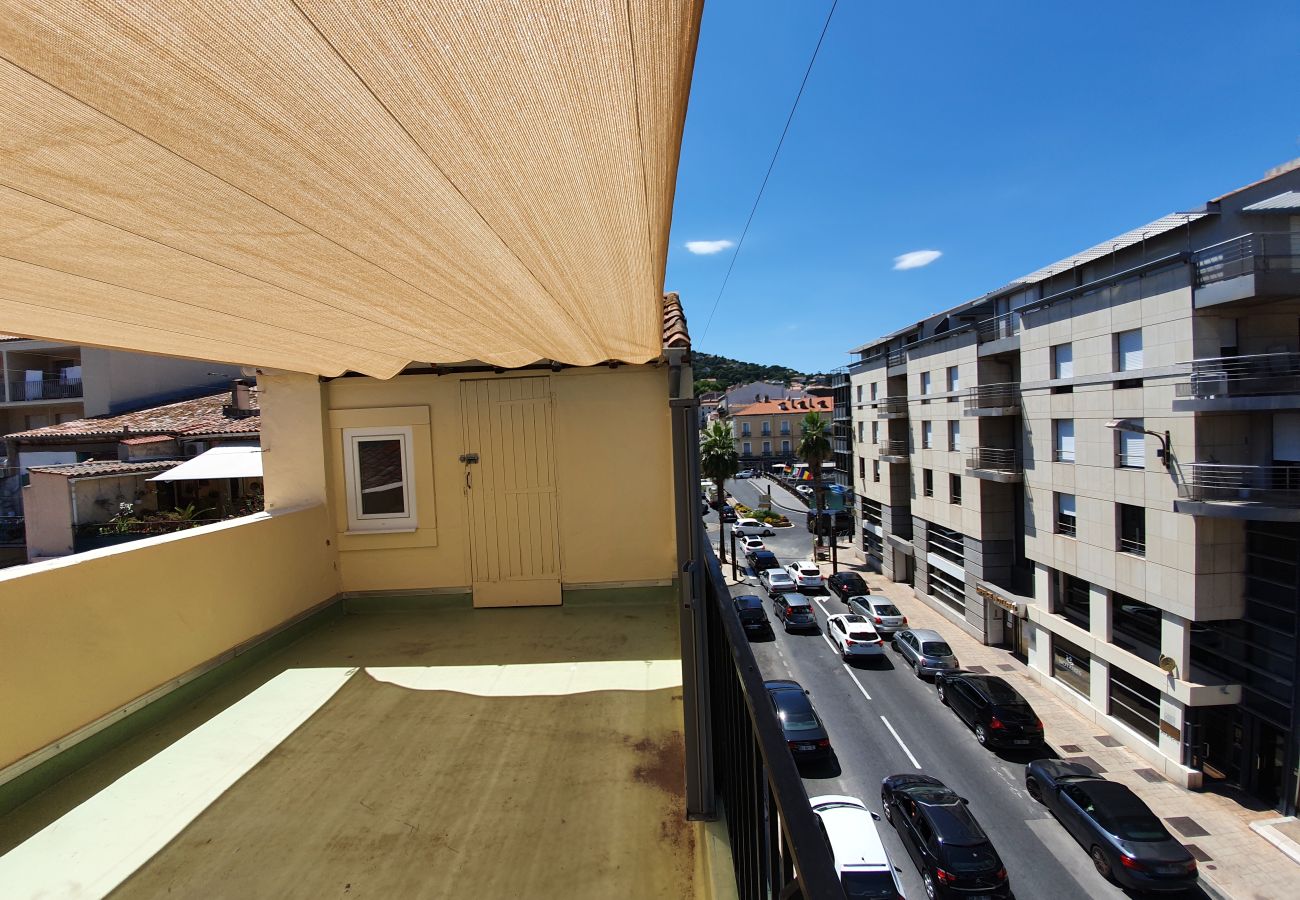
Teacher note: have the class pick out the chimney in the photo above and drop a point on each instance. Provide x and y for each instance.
(241, 401)
(767, 398)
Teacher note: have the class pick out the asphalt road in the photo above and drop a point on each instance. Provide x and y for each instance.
(883, 720)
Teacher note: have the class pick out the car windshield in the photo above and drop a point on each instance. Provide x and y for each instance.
(887, 609)
(1002, 693)
(971, 860)
(936, 648)
(868, 884)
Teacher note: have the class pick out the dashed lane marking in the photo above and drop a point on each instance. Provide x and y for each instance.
(900, 742)
(857, 684)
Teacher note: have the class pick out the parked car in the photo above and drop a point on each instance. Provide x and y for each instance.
(794, 611)
(804, 489)
(853, 636)
(951, 851)
(749, 527)
(847, 584)
(925, 651)
(864, 867)
(777, 582)
(804, 732)
(747, 544)
(884, 615)
(807, 576)
(1126, 841)
(997, 712)
(746, 473)
(726, 513)
(753, 617)
(762, 560)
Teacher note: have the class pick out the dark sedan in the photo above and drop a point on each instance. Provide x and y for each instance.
(993, 708)
(1127, 842)
(953, 854)
(753, 618)
(847, 584)
(759, 560)
(795, 612)
(804, 732)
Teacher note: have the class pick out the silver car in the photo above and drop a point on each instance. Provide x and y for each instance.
(925, 651)
(882, 614)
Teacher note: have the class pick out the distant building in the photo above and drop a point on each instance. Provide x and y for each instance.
(756, 392)
(767, 433)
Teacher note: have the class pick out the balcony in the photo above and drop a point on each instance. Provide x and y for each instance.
(891, 408)
(47, 389)
(1261, 493)
(995, 464)
(896, 359)
(998, 334)
(1249, 266)
(1262, 381)
(894, 451)
(992, 400)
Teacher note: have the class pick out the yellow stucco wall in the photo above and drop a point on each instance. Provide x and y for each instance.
(613, 467)
(85, 635)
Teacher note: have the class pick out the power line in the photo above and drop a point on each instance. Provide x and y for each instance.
(771, 165)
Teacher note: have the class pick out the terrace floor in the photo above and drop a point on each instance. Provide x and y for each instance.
(444, 751)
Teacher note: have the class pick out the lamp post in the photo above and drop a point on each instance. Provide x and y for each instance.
(1134, 428)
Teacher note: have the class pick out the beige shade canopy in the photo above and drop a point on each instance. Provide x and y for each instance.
(334, 185)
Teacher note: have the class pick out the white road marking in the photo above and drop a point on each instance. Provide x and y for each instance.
(900, 742)
(857, 684)
(830, 643)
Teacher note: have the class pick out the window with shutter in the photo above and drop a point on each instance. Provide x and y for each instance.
(1128, 350)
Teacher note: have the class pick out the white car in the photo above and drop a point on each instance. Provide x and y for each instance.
(805, 490)
(777, 581)
(864, 867)
(750, 527)
(753, 542)
(853, 636)
(806, 575)
(879, 612)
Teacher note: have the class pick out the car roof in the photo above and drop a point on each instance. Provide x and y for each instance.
(1062, 768)
(927, 634)
(796, 599)
(764, 552)
(994, 687)
(750, 601)
(783, 684)
(852, 831)
(954, 823)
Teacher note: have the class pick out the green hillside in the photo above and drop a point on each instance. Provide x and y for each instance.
(727, 372)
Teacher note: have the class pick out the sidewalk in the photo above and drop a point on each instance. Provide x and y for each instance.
(1235, 862)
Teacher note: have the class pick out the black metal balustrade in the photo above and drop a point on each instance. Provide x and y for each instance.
(992, 397)
(1256, 375)
(770, 823)
(891, 406)
(1248, 254)
(1228, 483)
(48, 389)
(994, 459)
(998, 327)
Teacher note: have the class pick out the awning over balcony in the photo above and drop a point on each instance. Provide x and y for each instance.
(219, 462)
(345, 185)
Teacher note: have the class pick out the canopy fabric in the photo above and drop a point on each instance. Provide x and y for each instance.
(219, 462)
(334, 185)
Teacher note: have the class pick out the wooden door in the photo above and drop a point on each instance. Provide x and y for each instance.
(513, 512)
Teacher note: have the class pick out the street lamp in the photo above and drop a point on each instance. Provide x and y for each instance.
(1134, 428)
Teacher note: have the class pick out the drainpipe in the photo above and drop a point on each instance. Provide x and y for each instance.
(701, 794)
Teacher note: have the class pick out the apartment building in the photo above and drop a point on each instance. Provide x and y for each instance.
(1097, 466)
(842, 427)
(768, 432)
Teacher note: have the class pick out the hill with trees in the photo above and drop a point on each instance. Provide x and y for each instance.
(715, 373)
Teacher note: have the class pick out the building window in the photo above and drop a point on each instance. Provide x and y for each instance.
(860, 431)
(767, 446)
(954, 489)
(744, 429)
(927, 434)
(875, 432)
(785, 446)
(875, 470)
(927, 482)
(1066, 522)
(859, 393)
(1131, 448)
(954, 380)
(747, 448)
(954, 435)
(1132, 524)
(785, 426)
(862, 467)
(1135, 627)
(377, 465)
(1063, 361)
(1071, 665)
(875, 388)
(1063, 440)
(1128, 351)
(1135, 703)
(767, 428)
(1075, 602)
(925, 385)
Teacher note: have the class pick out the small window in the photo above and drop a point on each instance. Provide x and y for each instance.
(377, 463)
(954, 380)
(875, 470)
(954, 435)
(785, 446)
(767, 428)
(954, 489)
(1130, 448)
(767, 446)
(859, 393)
(875, 432)
(748, 448)
(744, 429)
(1132, 524)
(1075, 601)
(862, 467)
(927, 434)
(1128, 351)
(1066, 522)
(875, 388)
(927, 482)
(1063, 361)
(785, 426)
(860, 431)
(1063, 440)
(925, 385)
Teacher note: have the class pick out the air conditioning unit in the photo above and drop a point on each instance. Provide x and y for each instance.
(194, 448)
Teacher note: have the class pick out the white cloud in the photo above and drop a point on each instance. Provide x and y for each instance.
(707, 248)
(916, 259)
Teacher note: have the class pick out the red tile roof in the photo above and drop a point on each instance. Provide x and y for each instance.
(91, 468)
(149, 439)
(802, 406)
(675, 333)
(189, 418)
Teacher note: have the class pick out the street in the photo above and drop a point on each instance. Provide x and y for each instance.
(883, 720)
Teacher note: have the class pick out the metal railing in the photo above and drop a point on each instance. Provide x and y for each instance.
(893, 448)
(1136, 546)
(998, 327)
(896, 357)
(48, 389)
(993, 396)
(891, 406)
(1248, 254)
(1219, 482)
(770, 823)
(994, 459)
(1256, 375)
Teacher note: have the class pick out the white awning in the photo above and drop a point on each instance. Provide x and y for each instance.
(219, 462)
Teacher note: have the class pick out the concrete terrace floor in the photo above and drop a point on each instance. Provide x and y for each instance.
(437, 752)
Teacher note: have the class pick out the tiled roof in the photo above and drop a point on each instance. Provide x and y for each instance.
(189, 418)
(149, 439)
(776, 407)
(675, 333)
(107, 467)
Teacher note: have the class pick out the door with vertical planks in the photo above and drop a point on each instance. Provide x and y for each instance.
(514, 540)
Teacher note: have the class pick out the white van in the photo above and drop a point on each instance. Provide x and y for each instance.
(864, 867)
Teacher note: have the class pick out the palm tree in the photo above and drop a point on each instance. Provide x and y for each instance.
(815, 449)
(719, 461)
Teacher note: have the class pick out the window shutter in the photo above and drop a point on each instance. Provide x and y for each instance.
(1130, 350)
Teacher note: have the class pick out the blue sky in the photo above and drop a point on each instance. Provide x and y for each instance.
(1004, 135)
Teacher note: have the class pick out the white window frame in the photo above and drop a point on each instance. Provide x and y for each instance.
(1062, 361)
(1060, 511)
(358, 521)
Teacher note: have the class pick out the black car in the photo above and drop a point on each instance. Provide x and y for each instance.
(1126, 841)
(847, 584)
(997, 712)
(794, 611)
(804, 732)
(727, 514)
(762, 559)
(953, 854)
(753, 618)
